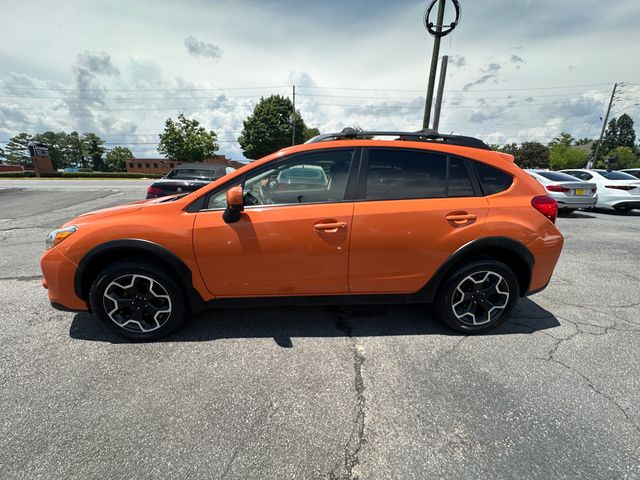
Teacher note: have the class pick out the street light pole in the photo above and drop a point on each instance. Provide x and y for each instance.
(434, 65)
(443, 74)
(293, 118)
(604, 125)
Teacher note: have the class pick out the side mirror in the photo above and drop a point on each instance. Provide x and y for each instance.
(235, 205)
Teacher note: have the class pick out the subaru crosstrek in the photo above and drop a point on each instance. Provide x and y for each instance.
(420, 217)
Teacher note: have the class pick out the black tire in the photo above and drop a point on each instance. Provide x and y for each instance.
(445, 300)
(568, 210)
(164, 294)
(622, 208)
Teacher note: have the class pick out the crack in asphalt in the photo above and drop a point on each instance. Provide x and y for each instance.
(257, 422)
(348, 469)
(23, 278)
(559, 341)
(590, 384)
(449, 351)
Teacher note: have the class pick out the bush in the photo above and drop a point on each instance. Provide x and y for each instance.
(563, 156)
(81, 175)
(17, 174)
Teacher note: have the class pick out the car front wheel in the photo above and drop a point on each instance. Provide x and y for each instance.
(138, 301)
(478, 296)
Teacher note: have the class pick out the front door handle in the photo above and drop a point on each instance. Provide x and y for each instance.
(330, 227)
(461, 218)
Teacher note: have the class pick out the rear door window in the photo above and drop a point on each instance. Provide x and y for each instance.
(395, 174)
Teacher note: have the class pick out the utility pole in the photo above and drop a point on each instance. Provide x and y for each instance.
(293, 118)
(443, 74)
(434, 65)
(604, 125)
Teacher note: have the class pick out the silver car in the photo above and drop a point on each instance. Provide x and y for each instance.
(570, 192)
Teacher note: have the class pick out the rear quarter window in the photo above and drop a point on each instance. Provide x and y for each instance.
(492, 179)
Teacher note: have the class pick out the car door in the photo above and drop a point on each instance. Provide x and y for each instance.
(410, 219)
(292, 238)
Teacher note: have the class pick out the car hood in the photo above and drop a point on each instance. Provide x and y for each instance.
(117, 210)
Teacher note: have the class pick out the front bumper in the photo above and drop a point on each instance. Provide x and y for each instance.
(612, 201)
(58, 272)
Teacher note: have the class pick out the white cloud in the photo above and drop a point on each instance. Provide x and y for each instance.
(139, 72)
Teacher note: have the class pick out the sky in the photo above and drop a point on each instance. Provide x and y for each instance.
(519, 70)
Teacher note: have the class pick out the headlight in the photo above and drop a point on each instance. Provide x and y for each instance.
(55, 237)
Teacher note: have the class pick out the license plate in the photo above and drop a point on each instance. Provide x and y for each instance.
(581, 191)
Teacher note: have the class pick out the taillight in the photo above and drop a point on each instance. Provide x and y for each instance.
(594, 190)
(621, 187)
(557, 188)
(155, 191)
(546, 206)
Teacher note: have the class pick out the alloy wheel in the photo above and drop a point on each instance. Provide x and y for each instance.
(480, 297)
(137, 303)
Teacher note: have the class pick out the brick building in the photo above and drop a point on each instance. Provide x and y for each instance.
(164, 165)
(14, 168)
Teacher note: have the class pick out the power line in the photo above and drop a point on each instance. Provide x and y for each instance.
(142, 89)
(362, 106)
(466, 91)
(57, 89)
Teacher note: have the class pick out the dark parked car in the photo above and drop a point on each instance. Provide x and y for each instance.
(187, 177)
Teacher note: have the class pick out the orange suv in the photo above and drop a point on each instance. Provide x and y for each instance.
(342, 219)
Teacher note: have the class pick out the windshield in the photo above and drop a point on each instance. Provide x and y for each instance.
(613, 175)
(300, 173)
(557, 176)
(192, 174)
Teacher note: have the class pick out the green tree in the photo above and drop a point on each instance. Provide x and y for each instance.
(619, 133)
(626, 132)
(564, 139)
(57, 143)
(74, 151)
(309, 133)
(2, 154)
(610, 138)
(625, 157)
(563, 156)
(93, 145)
(116, 158)
(269, 127)
(532, 155)
(583, 141)
(185, 140)
(511, 149)
(17, 150)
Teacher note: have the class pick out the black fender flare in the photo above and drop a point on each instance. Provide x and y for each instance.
(133, 245)
(478, 247)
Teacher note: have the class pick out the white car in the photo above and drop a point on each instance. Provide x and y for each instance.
(617, 190)
(570, 192)
(632, 171)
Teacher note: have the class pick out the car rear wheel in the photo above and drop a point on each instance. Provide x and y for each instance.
(137, 300)
(478, 296)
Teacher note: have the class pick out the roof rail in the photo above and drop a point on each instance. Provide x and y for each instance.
(426, 135)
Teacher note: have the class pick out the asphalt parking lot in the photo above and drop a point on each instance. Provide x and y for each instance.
(363, 392)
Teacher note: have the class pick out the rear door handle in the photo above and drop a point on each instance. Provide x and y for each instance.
(461, 218)
(330, 227)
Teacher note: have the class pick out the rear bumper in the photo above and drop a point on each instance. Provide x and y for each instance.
(577, 202)
(58, 272)
(546, 250)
